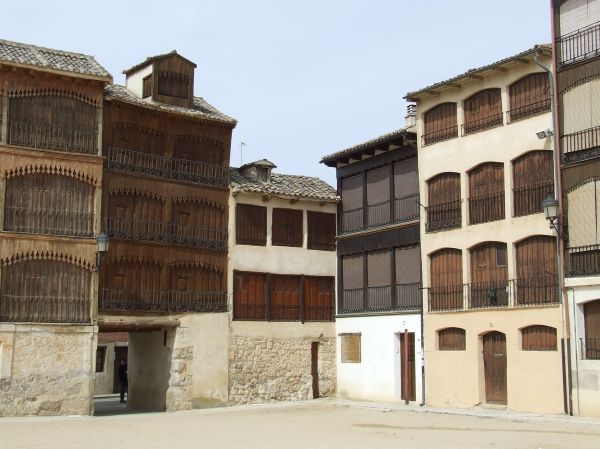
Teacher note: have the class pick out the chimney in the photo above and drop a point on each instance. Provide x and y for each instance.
(410, 119)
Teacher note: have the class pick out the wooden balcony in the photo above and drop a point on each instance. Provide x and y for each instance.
(528, 110)
(166, 232)
(44, 309)
(583, 261)
(51, 222)
(581, 145)
(579, 45)
(387, 298)
(161, 301)
(48, 137)
(443, 216)
(475, 126)
(146, 164)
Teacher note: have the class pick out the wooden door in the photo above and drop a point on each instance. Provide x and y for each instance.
(408, 389)
(494, 367)
(489, 275)
(314, 368)
(120, 354)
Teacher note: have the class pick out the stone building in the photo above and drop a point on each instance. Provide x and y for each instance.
(282, 285)
(378, 321)
(51, 106)
(492, 304)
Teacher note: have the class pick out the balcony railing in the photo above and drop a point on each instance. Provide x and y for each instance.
(528, 110)
(50, 137)
(528, 199)
(515, 293)
(378, 214)
(386, 298)
(161, 301)
(163, 167)
(581, 145)
(44, 309)
(579, 45)
(590, 348)
(165, 232)
(475, 126)
(443, 216)
(583, 261)
(352, 220)
(484, 208)
(44, 221)
(439, 135)
(405, 209)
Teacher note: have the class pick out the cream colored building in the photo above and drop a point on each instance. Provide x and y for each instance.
(281, 284)
(492, 319)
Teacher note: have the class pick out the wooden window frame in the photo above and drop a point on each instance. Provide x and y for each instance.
(529, 342)
(100, 356)
(287, 227)
(451, 340)
(147, 86)
(258, 224)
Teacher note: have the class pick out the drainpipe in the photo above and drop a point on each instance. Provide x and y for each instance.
(567, 381)
(575, 345)
(422, 359)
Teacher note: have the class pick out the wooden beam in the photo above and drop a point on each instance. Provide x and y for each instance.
(266, 198)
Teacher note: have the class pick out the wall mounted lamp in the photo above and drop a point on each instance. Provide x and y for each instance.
(550, 206)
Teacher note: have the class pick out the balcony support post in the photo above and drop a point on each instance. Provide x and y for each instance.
(2, 199)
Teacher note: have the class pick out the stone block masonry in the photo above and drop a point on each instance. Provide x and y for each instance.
(46, 370)
(263, 369)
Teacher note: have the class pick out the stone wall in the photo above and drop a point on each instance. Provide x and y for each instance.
(265, 369)
(46, 370)
(179, 392)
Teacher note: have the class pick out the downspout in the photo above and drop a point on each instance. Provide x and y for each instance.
(567, 381)
(422, 358)
(575, 345)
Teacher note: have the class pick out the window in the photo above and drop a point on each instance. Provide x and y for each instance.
(580, 137)
(100, 358)
(483, 111)
(444, 210)
(379, 276)
(251, 225)
(378, 196)
(147, 86)
(591, 343)
(489, 276)
(318, 298)
(451, 339)
(408, 278)
(352, 203)
(321, 231)
(287, 227)
(350, 347)
(446, 291)
(173, 84)
(285, 298)
(440, 124)
(249, 296)
(406, 191)
(538, 338)
(532, 179)
(486, 193)
(529, 96)
(536, 271)
(353, 284)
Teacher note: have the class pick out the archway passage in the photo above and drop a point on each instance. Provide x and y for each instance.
(494, 367)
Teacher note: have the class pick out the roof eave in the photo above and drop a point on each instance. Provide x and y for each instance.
(105, 79)
(237, 190)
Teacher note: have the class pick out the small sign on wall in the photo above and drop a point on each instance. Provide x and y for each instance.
(350, 347)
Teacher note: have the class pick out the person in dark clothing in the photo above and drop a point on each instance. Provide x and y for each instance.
(122, 373)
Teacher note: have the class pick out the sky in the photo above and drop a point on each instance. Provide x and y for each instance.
(303, 78)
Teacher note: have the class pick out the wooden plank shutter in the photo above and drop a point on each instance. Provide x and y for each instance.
(483, 110)
(440, 123)
(352, 203)
(251, 225)
(285, 298)
(536, 271)
(287, 227)
(486, 193)
(539, 338)
(529, 95)
(249, 296)
(489, 275)
(378, 196)
(318, 298)
(452, 339)
(446, 280)
(532, 180)
(321, 231)
(444, 210)
(353, 283)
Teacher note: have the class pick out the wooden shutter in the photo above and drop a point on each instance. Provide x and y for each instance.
(379, 277)
(287, 227)
(321, 231)
(488, 286)
(532, 180)
(318, 298)
(539, 338)
(147, 86)
(378, 196)
(408, 277)
(452, 339)
(406, 190)
(486, 193)
(446, 280)
(483, 110)
(529, 95)
(353, 283)
(583, 209)
(251, 225)
(444, 209)
(440, 123)
(285, 298)
(352, 203)
(249, 296)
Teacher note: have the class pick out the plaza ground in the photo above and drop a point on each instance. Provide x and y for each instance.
(314, 424)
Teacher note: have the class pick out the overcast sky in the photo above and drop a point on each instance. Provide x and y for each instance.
(303, 78)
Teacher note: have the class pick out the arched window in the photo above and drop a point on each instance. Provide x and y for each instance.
(486, 193)
(536, 271)
(451, 339)
(440, 123)
(446, 290)
(529, 96)
(532, 180)
(489, 276)
(444, 209)
(538, 338)
(483, 111)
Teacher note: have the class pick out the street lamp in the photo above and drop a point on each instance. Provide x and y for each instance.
(102, 242)
(550, 205)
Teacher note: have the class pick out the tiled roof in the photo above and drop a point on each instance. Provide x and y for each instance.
(357, 149)
(150, 59)
(545, 48)
(200, 109)
(47, 58)
(287, 186)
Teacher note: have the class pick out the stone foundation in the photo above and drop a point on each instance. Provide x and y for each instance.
(46, 369)
(265, 369)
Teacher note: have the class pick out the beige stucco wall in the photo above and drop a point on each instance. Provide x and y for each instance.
(455, 378)
(46, 369)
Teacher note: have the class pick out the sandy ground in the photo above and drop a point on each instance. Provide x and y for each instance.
(316, 424)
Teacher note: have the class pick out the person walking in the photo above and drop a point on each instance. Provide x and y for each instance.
(122, 373)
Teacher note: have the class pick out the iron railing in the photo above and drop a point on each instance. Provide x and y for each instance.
(484, 208)
(514, 293)
(528, 199)
(378, 214)
(443, 216)
(35, 135)
(475, 126)
(406, 208)
(166, 232)
(581, 145)
(579, 45)
(161, 301)
(590, 348)
(45, 221)
(439, 135)
(583, 260)
(528, 110)
(163, 167)
(352, 220)
(44, 309)
(386, 298)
